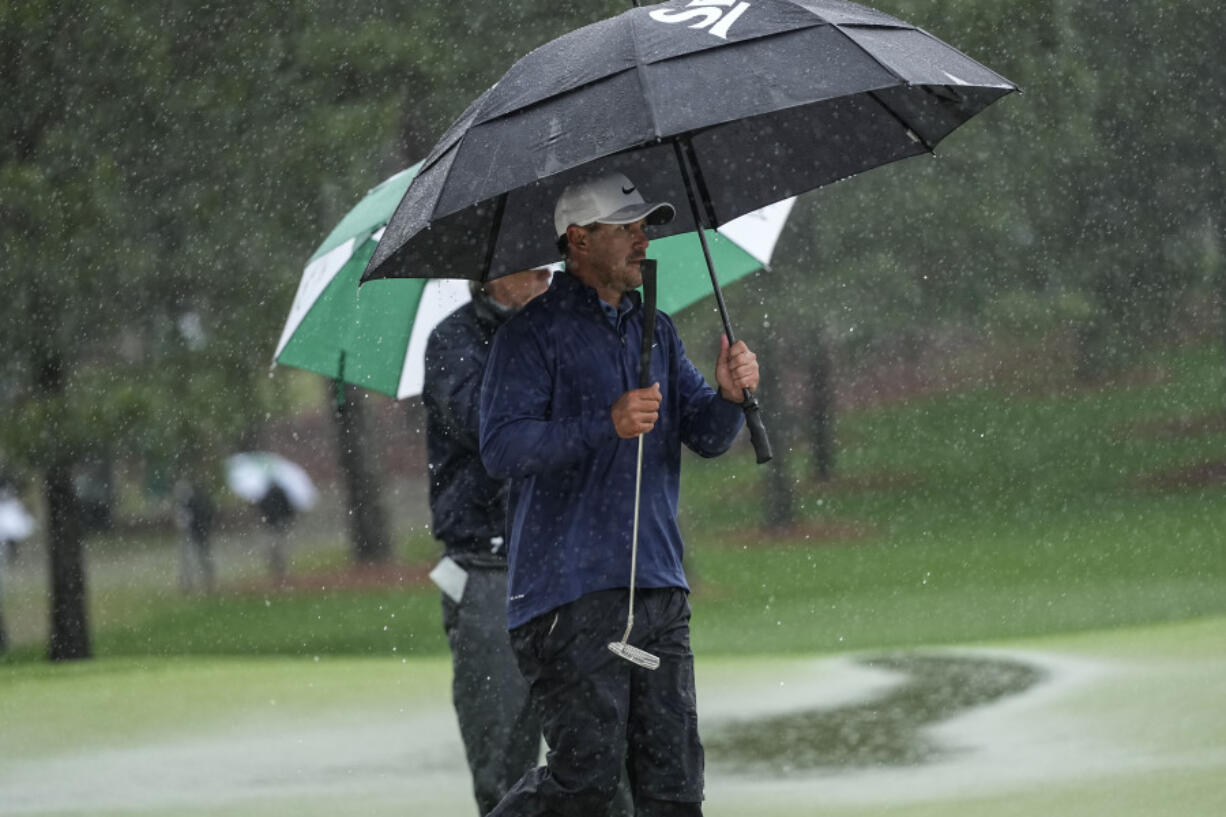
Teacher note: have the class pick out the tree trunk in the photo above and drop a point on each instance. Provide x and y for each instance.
(69, 621)
(821, 395)
(1220, 291)
(779, 499)
(367, 524)
(779, 504)
(69, 637)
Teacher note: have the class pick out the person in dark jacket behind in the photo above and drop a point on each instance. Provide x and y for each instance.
(560, 415)
(501, 736)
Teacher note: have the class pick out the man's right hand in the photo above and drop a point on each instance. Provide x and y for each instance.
(636, 411)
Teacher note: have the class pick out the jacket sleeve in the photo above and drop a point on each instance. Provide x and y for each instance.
(518, 436)
(453, 369)
(709, 423)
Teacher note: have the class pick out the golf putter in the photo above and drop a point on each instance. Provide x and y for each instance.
(621, 648)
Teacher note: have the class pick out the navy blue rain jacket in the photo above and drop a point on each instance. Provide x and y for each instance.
(467, 505)
(555, 370)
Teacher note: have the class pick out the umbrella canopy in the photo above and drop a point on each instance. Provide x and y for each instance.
(724, 105)
(741, 246)
(376, 338)
(361, 339)
(736, 105)
(253, 474)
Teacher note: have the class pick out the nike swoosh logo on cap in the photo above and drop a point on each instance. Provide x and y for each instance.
(626, 191)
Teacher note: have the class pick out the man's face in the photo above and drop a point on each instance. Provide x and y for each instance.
(518, 288)
(615, 253)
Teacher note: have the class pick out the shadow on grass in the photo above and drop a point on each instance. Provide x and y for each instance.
(885, 731)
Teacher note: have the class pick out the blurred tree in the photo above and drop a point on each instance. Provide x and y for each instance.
(367, 523)
(165, 169)
(1089, 205)
(779, 490)
(140, 229)
(797, 380)
(822, 408)
(1086, 185)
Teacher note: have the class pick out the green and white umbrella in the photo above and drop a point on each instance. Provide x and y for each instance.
(741, 246)
(376, 337)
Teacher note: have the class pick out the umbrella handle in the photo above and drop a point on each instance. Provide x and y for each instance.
(757, 431)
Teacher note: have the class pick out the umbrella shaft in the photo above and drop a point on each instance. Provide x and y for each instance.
(719, 293)
(687, 176)
(753, 418)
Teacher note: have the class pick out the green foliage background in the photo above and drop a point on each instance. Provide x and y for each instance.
(166, 168)
(171, 159)
(959, 518)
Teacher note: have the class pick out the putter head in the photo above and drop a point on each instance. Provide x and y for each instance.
(634, 655)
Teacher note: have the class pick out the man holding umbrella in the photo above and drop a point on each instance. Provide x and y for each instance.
(501, 735)
(558, 419)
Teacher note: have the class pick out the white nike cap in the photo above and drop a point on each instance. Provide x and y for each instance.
(611, 199)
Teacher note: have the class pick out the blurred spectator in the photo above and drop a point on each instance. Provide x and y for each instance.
(194, 513)
(278, 514)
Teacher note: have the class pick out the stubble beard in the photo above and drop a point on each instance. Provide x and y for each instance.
(624, 278)
(633, 276)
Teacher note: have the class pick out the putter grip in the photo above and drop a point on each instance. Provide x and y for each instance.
(649, 321)
(757, 431)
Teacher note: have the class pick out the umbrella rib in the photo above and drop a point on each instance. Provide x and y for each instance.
(453, 148)
(499, 208)
(870, 54)
(639, 65)
(928, 146)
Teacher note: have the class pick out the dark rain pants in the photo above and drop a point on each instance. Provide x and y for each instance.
(502, 737)
(599, 712)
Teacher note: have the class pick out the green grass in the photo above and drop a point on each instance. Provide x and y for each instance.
(977, 515)
(983, 515)
(371, 622)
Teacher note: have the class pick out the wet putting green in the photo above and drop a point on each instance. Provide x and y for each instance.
(1121, 723)
(887, 730)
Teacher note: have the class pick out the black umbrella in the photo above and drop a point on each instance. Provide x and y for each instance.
(725, 105)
